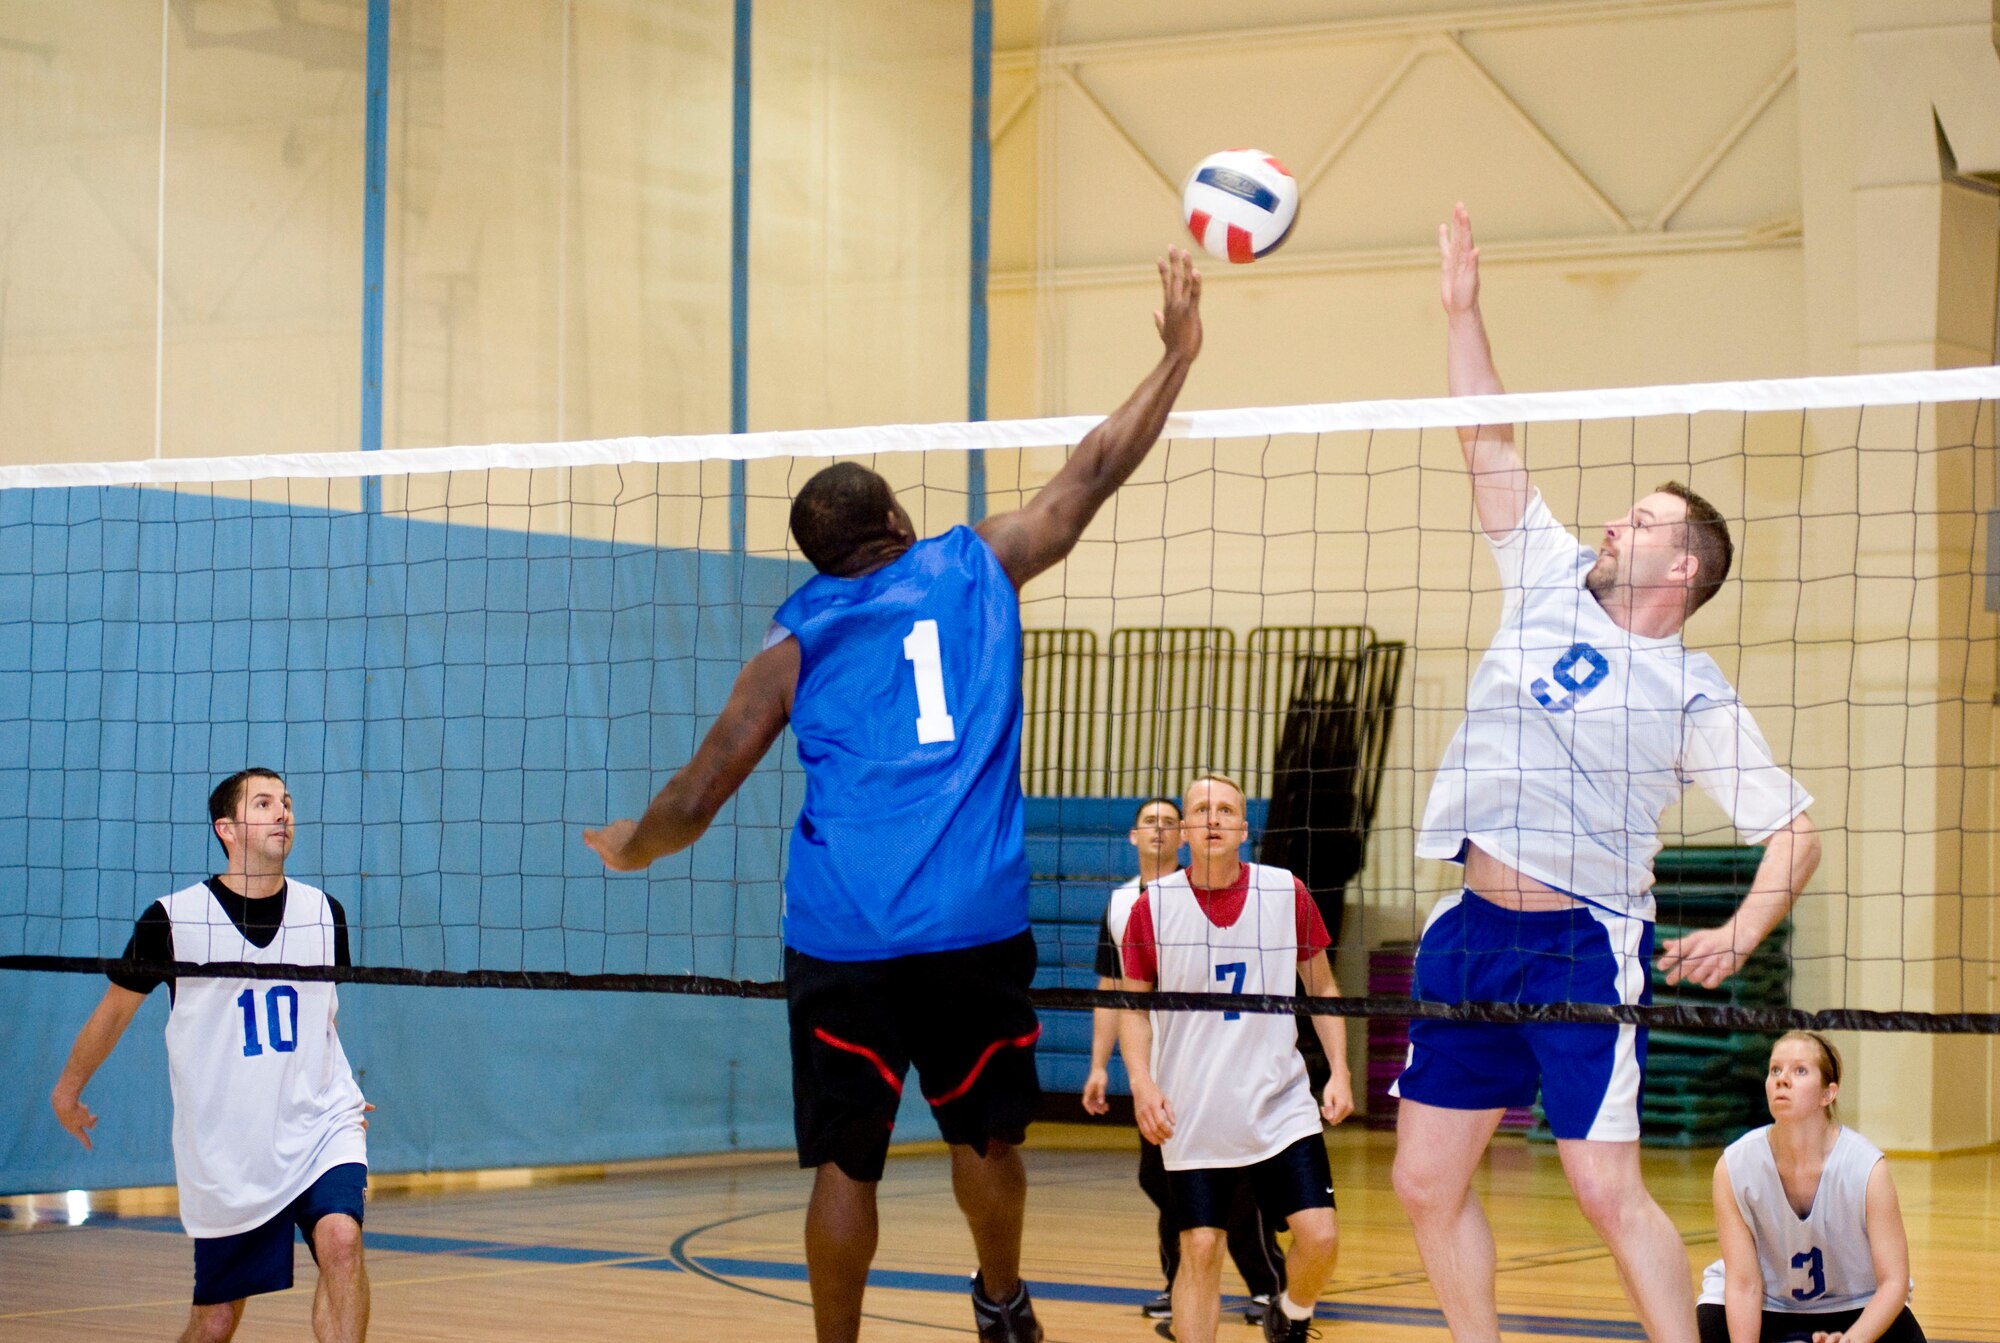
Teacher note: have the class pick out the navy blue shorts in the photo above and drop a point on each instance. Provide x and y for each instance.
(1283, 1183)
(250, 1263)
(1589, 1075)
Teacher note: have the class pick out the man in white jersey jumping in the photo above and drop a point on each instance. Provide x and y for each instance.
(1586, 719)
(268, 1121)
(1225, 1093)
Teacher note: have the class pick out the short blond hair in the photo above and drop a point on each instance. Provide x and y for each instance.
(1212, 777)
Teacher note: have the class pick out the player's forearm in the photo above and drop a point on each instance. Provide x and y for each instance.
(1743, 1310)
(1103, 1029)
(1111, 452)
(95, 1041)
(1880, 1312)
(1790, 858)
(1135, 1045)
(1317, 976)
(677, 817)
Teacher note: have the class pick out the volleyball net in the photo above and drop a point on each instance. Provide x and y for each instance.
(459, 658)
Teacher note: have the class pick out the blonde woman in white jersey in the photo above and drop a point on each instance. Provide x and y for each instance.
(1225, 1093)
(1813, 1248)
(1585, 720)
(268, 1121)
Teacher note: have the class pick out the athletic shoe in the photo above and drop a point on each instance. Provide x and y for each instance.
(1165, 1329)
(1282, 1328)
(1255, 1308)
(1160, 1307)
(1013, 1322)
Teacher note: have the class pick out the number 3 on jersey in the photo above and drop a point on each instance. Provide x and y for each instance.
(920, 649)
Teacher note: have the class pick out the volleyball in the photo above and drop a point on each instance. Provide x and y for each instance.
(1240, 204)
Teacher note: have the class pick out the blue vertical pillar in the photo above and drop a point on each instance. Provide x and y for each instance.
(982, 228)
(374, 212)
(739, 277)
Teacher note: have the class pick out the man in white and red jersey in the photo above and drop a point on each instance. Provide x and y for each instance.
(1225, 1093)
(269, 1126)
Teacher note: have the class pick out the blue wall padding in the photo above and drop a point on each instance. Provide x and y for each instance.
(450, 706)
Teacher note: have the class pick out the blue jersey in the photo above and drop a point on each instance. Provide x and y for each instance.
(908, 719)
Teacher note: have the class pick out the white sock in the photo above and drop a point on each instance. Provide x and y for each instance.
(1292, 1310)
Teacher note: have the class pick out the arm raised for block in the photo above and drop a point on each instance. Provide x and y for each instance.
(1500, 486)
(1037, 536)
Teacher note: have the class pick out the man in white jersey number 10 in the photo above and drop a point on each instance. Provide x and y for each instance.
(268, 1122)
(1585, 720)
(1225, 1093)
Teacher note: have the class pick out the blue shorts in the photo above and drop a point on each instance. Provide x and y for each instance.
(249, 1263)
(1589, 1075)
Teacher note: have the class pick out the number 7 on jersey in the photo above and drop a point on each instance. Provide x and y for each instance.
(921, 650)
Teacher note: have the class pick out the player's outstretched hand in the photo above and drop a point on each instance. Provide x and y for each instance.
(1179, 317)
(74, 1115)
(613, 844)
(1460, 280)
(1154, 1112)
(1094, 1087)
(1705, 957)
(1338, 1101)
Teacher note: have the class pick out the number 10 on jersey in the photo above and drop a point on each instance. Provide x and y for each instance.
(921, 651)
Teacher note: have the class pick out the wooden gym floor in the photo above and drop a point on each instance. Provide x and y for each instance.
(710, 1248)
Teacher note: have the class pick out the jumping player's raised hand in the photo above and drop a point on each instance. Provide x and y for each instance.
(1460, 279)
(1179, 318)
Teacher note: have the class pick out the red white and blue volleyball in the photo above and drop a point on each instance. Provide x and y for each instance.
(1240, 204)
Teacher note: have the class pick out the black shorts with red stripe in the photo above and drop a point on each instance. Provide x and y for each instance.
(963, 1018)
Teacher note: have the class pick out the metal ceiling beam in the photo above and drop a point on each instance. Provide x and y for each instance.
(1213, 42)
(1783, 232)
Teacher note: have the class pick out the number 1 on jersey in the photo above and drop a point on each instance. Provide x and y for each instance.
(920, 649)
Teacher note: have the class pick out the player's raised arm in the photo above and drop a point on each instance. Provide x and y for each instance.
(1035, 537)
(1499, 477)
(758, 708)
(94, 1043)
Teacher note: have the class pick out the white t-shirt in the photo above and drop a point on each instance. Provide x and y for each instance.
(264, 1100)
(1236, 1081)
(1579, 734)
(1811, 1264)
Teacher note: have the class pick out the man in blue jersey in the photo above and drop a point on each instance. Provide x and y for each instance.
(898, 667)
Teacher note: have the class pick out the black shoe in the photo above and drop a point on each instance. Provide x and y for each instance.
(1013, 1322)
(1160, 1307)
(1255, 1309)
(1282, 1328)
(1165, 1329)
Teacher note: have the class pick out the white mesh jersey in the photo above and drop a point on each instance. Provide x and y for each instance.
(1236, 1080)
(1119, 911)
(1819, 1262)
(1578, 734)
(264, 1100)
